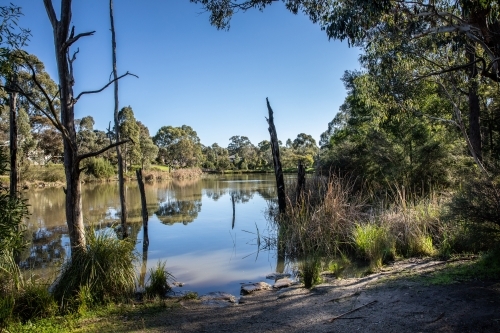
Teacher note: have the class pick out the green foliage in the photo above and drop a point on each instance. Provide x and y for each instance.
(373, 243)
(99, 168)
(179, 146)
(45, 173)
(477, 206)
(34, 302)
(101, 272)
(158, 280)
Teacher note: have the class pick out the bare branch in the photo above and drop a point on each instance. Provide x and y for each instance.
(95, 153)
(107, 85)
(50, 13)
(72, 40)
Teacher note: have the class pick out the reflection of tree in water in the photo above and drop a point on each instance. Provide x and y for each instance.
(174, 211)
(46, 247)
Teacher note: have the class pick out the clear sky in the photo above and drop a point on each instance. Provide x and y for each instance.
(192, 74)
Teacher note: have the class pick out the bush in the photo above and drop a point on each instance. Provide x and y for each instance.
(103, 271)
(158, 280)
(477, 205)
(99, 168)
(34, 302)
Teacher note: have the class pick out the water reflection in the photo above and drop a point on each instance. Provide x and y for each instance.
(197, 226)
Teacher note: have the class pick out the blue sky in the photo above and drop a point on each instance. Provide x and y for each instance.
(192, 74)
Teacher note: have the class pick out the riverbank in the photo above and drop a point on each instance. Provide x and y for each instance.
(413, 295)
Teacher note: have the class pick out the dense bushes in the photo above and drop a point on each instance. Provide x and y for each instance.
(99, 168)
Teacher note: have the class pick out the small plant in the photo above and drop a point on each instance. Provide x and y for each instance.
(310, 271)
(34, 301)
(374, 243)
(158, 280)
(190, 295)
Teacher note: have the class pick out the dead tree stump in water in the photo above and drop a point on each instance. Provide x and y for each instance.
(301, 183)
(278, 172)
(144, 209)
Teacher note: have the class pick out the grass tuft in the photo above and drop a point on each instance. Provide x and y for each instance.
(103, 271)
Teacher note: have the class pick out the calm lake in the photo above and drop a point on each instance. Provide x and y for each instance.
(191, 227)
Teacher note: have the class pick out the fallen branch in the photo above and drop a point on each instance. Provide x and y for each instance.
(346, 313)
(343, 297)
(438, 318)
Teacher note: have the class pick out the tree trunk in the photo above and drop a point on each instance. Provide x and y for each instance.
(474, 107)
(74, 216)
(121, 184)
(278, 172)
(14, 173)
(144, 207)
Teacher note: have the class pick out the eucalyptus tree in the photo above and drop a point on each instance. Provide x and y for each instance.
(129, 129)
(180, 147)
(12, 37)
(148, 151)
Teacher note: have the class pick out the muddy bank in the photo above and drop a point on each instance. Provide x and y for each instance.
(393, 300)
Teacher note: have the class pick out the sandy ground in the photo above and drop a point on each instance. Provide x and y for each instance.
(389, 301)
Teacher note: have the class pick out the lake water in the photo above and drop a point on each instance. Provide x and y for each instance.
(191, 227)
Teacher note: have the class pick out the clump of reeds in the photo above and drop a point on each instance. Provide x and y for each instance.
(373, 243)
(102, 271)
(186, 173)
(322, 220)
(332, 218)
(158, 280)
(310, 270)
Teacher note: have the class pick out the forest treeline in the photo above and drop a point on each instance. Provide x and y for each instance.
(40, 143)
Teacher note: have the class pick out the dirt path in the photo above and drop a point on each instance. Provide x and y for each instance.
(389, 301)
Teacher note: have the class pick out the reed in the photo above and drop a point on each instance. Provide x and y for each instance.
(103, 271)
(158, 280)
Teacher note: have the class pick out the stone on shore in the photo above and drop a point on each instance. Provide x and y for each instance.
(253, 287)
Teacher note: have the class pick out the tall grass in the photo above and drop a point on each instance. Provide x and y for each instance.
(158, 280)
(335, 218)
(101, 272)
(323, 220)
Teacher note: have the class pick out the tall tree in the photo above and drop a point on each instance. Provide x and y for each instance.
(64, 118)
(148, 151)
(121, 180)
(129, 129)
(179, 146)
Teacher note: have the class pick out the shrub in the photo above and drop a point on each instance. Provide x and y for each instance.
(34, 301)
(158, 280)
(477, 204)
(99, 168)
(105, 267)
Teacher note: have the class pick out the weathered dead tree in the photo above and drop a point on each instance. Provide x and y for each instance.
(301, 183)
(64, 118)
(144, 207)
(145, 231)
(13, 135)
(278, 171)
(121, 182)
